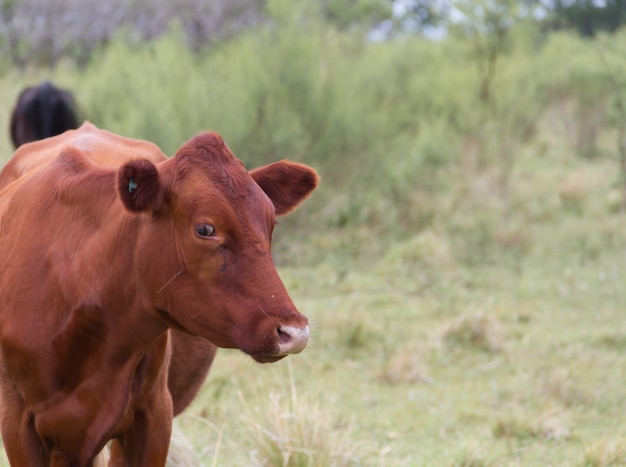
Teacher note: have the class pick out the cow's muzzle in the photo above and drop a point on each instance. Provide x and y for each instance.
(291, 339)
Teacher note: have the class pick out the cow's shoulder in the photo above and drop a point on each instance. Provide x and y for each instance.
(101, 147)
(111, 150)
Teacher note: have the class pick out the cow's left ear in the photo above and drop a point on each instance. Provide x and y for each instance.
(139, 187)
(286, 183)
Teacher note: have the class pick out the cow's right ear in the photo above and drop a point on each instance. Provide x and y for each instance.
(139, 187)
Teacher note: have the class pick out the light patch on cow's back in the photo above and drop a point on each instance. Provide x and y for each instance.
(99, 149)
(106, 150)
(86, 142)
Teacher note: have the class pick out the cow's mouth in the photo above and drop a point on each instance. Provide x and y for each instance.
(266, 358)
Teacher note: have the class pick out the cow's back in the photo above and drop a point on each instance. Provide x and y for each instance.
(103, 148)
(100, 146)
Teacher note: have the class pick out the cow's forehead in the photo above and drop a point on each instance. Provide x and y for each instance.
(222, 187)
(201, 172)
(207, 160)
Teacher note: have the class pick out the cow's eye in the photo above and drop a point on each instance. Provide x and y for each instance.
(205, 230)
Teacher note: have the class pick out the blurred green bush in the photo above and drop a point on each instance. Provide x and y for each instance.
(397, 129)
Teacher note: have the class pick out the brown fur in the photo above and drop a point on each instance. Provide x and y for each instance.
(113, 306)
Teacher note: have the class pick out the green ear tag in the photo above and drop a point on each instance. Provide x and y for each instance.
(132, 185)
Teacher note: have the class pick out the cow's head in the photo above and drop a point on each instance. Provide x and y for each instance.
(203, 248)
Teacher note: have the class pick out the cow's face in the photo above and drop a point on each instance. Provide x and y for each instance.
(204, 245)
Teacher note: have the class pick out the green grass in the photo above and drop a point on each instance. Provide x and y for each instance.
(548, 392)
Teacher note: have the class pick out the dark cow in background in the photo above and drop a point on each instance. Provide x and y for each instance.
(121, 271)
(41, 112)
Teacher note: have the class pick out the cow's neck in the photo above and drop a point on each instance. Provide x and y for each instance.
(105, 296)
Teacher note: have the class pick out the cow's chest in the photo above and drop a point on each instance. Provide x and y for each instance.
(102, 407)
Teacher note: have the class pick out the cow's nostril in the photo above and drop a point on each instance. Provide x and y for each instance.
(283, 337)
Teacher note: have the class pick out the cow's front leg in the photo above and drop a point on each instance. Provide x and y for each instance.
(21, 442)
(147, 441)
(24, 449)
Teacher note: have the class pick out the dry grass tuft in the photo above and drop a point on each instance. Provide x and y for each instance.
(352, 330)
(550, 425)
(355, 335)
(477, 330)
(298, 433)
(605, 453)
(405, 366)
(182, 452)
(513, 427)
(428, 248)
(560, 386)
(471, 455)
(517, 238)
(615, 201)
(470, 462)
(574, 190)
(554, 425)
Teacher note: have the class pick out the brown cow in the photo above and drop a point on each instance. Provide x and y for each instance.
(194, 355)
(117, 261)
(40, 112)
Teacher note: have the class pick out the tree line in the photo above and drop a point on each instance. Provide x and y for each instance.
(40, 32)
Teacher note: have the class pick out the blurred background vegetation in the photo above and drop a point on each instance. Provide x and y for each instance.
(469, 229)
(408, 108)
